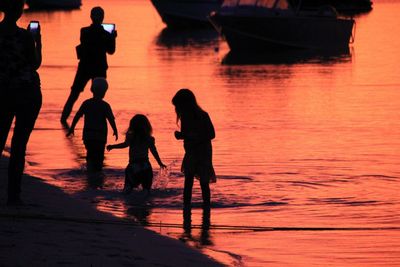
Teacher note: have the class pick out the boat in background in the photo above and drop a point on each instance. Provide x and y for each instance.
(346, 7)
(54, 4)
(267, 25)
(186, 13)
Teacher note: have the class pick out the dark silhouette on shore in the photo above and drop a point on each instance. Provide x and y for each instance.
(197, 131)
(92, 52)
(20, 94)
(97, 112)
(139, 139)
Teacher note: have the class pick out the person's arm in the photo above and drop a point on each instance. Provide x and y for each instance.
(209, 131)
(119, 145)
(78, 115)
(154, 151)
(82, 37)
(38, 48)
(35, 48)
(111, 119)
(114, 127)
(205, 132)
(110, 46)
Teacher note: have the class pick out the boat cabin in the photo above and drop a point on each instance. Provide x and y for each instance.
(257, 6)
(273, 7)
(270, 4)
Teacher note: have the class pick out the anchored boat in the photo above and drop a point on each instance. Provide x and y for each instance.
(250, 25)
(186, 13)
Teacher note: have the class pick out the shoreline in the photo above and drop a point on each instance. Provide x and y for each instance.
(53, 228)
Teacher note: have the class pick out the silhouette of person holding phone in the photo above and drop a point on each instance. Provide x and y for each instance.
(92, 52)
(20, 95)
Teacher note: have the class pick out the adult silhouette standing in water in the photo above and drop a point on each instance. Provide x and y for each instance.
(197, 131)
(92, 54)
(20, 96)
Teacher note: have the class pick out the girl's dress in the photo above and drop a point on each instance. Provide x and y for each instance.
(139, 170)
(198, 131)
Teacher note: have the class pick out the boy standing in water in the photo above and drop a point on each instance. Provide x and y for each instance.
(96, 112)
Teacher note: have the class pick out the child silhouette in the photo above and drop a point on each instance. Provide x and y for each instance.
(139, 139)
(97, 112)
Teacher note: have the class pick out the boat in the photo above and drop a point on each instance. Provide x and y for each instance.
(186, 13)
(265, 25)
(54, 4)
(345, 7)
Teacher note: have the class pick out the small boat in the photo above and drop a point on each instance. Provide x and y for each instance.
(265, 25)
(54, 4)
(186, 13)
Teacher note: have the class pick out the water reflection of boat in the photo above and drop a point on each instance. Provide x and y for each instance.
(185, 13)
(287, 57)
(275, 25)
(54, 4)
(185, 37)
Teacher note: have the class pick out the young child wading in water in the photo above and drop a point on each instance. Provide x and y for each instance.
(96, 112)
(139, 139)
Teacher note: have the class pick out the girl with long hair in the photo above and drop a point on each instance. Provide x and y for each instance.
(139, 139)
(196, 131)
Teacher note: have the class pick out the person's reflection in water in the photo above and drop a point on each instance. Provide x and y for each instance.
(141, 214)
(139, 207)
(205, 238)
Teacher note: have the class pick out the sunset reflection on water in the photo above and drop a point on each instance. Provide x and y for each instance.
(300, 143)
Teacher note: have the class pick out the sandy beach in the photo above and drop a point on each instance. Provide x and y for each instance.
(53, 229)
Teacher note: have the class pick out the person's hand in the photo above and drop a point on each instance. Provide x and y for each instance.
(163, 166)
(178, 135)
(37, 37)
(114, 34)
(109, 147)
(70, 132)
(116, 135)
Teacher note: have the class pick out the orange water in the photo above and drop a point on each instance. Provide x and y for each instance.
(309, 143)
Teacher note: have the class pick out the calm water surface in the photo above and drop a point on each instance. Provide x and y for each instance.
(301, 144)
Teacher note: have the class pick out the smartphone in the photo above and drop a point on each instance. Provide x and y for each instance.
(34, 26)
(110, 27)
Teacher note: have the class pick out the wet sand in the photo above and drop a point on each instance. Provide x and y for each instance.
(54, 229)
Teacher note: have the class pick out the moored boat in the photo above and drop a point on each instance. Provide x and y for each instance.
(186, 13)
(275, 25)
(54, 4)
